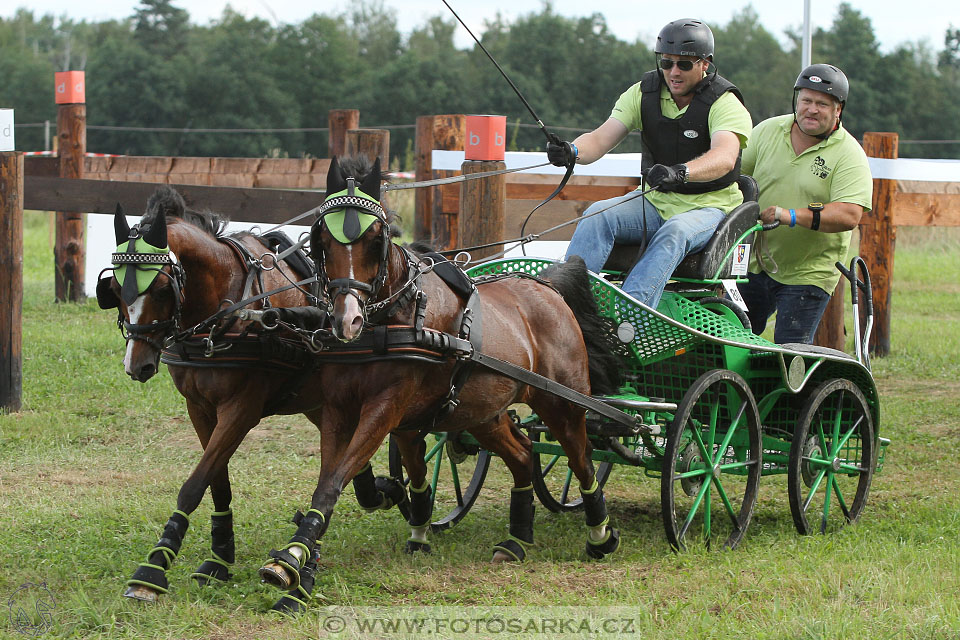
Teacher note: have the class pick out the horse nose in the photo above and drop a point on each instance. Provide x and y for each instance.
(144, 373)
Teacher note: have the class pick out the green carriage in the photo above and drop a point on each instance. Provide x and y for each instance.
(716, 406)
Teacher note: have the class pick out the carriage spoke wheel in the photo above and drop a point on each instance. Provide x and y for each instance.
(712, 463)
(831, 458)
(456, 472)
(554, 483)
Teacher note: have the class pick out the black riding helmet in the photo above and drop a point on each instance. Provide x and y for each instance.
(686, 37)
(827, 79)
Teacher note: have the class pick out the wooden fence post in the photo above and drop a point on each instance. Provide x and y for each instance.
(482, 208)
(69, 253)
(11, 279)
(340, 121)
(878, 239)
(434, 132)
(371, 143)
(830, 333)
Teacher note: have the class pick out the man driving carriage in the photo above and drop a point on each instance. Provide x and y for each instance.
(694, 125)
(814, 178)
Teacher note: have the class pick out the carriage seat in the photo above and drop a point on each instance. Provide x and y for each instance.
(703, 264)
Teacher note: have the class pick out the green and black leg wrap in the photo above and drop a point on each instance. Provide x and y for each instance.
(595, 511)
(421, 510)
(521, 524)
(153, 572)
(309, 530)
(377, 493)
(295, 601)
(218, 567)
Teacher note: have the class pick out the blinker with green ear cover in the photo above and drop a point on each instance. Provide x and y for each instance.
(343, 209)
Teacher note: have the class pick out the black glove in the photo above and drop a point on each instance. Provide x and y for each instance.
(560, 153)
(666, 178)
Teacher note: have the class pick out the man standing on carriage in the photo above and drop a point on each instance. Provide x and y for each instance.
(815, 179)
(694, 125)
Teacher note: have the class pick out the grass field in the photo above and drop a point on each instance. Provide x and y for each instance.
(92, 464)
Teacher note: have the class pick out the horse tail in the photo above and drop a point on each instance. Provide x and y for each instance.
(571, 280)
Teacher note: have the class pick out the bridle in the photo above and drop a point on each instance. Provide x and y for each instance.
(336, 287)
(158, 262)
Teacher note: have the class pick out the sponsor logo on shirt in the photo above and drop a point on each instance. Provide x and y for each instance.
(820, 169)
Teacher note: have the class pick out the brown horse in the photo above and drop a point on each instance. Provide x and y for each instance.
(524, 321)
(175, 270)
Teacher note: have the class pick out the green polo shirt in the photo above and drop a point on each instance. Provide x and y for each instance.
(726, 114)
(833, 170)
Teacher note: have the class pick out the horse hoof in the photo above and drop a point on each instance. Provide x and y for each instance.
(500, 557)
(141, 593)
(276, 575)
(605, 548)
(414, 547)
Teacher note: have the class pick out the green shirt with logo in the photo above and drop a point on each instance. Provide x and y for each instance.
(726, 114)
(833, 170)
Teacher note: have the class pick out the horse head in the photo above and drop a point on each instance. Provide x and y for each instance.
(350, 243)
(146, 285)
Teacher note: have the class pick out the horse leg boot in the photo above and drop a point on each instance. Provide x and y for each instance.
(421, 511)
(284, 571)
(295, 601)
(602, 539)
(375, 493)
(218, 566)
(513, 549)
(150, 578)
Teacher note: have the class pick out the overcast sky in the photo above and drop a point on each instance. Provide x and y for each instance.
(894, 21)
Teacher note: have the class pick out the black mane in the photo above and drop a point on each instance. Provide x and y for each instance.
(167, 200)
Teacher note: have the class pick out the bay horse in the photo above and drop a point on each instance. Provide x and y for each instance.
(534, 323)
(176, 269)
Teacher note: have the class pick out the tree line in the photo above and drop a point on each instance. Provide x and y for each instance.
(156, 69)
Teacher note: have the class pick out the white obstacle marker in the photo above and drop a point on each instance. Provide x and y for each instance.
(6, 130)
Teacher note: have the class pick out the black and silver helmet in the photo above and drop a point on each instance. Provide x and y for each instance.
(686, 37)
(825, 78)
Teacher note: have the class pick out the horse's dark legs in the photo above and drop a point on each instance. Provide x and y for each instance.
(220, 437)
(412, 448)
(344, 453)
(503, 438)
(568, 426)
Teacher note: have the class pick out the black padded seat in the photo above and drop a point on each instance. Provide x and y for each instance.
(703, 264)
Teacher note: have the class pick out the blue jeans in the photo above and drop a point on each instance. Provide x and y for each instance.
(669, 241)
(799, 307)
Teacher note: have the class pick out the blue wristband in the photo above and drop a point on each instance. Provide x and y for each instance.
(576, 152)
(793, 217)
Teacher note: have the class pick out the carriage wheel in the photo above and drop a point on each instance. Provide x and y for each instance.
(727, 308)
(554, 482)
(712, 463)
(831, 458)
(456, 472)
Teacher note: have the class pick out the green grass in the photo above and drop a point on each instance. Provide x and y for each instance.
(93, 463)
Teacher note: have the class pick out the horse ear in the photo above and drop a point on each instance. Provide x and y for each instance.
(156, 234)
(120, 227)
(335, 180)
(371, 184)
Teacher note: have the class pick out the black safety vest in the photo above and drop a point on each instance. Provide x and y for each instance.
(668, 141)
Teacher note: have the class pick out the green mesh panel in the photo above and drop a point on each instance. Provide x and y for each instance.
(672, 346)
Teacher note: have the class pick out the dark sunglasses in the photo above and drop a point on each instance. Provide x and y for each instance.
(683, 65)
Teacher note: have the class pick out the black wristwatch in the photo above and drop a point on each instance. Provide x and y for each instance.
(683, 173)
(815, 209)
